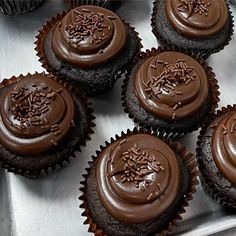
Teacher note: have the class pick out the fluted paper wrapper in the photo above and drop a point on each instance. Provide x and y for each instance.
(213, 85)
(40, 38)
(207, 184)
(89, 129)
(187, 157)
(197, 52)
(15, 7)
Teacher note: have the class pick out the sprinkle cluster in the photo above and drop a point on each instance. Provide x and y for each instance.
(87, 24)
(168, 80)
(194, 6)
(28, 107)
(137, 165)
(232, 127)
(226, 130)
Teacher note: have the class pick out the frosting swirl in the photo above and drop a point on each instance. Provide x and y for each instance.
(223, 146)
(36, 114)
(136, 175)
(171, 85)
(197, 18)
(88, 36)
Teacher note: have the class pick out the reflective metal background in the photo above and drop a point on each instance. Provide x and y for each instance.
(50, 206)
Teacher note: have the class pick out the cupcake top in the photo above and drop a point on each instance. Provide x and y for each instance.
(88, 36)
(223, 146)
(171, 85)
(135, 175)
(35, 114)
(197, 18)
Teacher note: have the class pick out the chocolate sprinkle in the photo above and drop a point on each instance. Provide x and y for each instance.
(72, 123)
(54, 142)
(194, 7)
(213, 126)
(122, 142)
(168, 80)
(29, 106)
(87, 24)
(138, 164)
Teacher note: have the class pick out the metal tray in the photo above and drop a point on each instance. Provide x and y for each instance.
(50, 206)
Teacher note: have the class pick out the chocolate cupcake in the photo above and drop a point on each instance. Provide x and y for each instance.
(42, 123)
(110, 4)
(216, 157)
(89, 46)
(201, 27)
(138, 185)
(14, 7)
(169, 91)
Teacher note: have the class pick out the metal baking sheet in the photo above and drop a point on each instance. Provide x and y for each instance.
(50, 206)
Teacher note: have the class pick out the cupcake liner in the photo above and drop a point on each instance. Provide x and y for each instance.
(207, 184)
(199, 53)
(191, 164)
(110, 4)
(15, 7)
(214, 89)
(89, 129)
(40, 38)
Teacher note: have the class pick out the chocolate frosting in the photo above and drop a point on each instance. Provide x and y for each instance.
(224, 146)
(88, 36)
(36, 113)
(137, 178)
(171, 85)
(197, 18)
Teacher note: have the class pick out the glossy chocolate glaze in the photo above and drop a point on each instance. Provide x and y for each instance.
(223, 146)
(171, 85)
(136, 175)
(197, 18)
(36, 114)
(88, 36)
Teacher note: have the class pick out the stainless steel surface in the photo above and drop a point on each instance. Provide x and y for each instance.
(232, 1)
(50, 206)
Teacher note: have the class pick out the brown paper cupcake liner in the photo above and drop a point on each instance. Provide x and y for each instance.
(207, 184)
(16, 7)
(214, 89)
(199, 53)
(188, 158)
(89, 130)
(40, 38)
